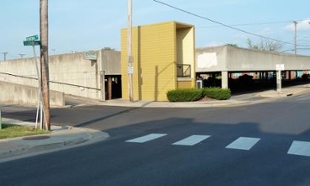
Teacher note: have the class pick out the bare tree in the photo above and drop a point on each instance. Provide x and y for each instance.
(265, 45)
(44, 62)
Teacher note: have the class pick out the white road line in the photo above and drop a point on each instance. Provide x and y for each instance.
(243, 143)
(191, 140)
(301, 148)
(146, 138)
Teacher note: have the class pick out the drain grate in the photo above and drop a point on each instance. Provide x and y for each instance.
(36, 137)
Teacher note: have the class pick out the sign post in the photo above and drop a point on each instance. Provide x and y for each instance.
(34, 41)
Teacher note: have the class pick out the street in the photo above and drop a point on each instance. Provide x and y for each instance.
(260, 144)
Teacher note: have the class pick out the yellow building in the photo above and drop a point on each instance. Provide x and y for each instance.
(163, 60)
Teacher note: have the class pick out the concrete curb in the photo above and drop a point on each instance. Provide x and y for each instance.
(57, 140)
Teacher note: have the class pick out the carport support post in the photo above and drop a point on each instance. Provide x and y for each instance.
(279, 82)
(102, 85)
(0, 120)
(224, 79)
(110, 87)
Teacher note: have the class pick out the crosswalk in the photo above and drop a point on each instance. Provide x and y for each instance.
(300, 148)
(146, 138)
(191, 140)
(243, 143)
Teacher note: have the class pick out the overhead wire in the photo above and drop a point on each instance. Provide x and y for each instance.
(248, 24)
(225, 25)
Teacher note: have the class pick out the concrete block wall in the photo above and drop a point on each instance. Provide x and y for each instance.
(19, 71)
(26, 95)
(74, 69)
(69, 73)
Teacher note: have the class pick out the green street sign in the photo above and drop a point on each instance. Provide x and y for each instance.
(32, 43)
(32, 38)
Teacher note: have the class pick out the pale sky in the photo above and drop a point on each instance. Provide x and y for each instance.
(82, 25)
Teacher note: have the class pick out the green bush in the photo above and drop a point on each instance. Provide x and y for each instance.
(217, 93)
(185, 95)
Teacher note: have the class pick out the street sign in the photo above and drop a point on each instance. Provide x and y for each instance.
(32, 43)
(90, 55)
(32, 38)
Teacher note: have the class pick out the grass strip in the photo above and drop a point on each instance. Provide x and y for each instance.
(12, 131)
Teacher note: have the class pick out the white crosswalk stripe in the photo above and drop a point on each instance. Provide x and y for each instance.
(191, 140)
(301, 148)
(243, 143)
(146, 138)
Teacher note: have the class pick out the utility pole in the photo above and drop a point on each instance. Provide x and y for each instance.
(21, 55)
(129, 48)
(44, 63)
(4, 55)
(295, 37)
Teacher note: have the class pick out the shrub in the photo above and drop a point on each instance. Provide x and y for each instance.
(217, 93)
(185, 95)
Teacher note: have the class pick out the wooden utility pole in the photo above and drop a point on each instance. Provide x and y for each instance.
(44, 63)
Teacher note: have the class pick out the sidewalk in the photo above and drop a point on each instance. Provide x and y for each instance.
(235, 100)
(59, 138)
(65, 137)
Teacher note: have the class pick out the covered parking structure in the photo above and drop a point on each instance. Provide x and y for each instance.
(233, 67)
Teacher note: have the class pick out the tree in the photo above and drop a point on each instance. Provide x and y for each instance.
(108, 48)
(233, 45)
(265, 45)
(44, 63)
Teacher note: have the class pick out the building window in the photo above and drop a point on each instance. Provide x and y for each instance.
(184, 70)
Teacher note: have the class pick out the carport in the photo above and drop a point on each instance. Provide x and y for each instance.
(221, 66)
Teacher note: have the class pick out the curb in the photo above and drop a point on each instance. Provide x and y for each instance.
(92, 136)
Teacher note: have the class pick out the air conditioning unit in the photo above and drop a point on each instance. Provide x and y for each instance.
(199, 84)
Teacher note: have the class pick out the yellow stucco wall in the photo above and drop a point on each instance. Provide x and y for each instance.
(185, 47)
(186, 83)
(155, 50)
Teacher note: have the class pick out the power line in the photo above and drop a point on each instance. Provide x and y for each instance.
(223, 24)
(249, 24)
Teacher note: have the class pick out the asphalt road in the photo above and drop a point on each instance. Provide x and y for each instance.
(257, 144)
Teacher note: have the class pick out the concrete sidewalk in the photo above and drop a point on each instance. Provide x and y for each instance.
(59, 138)
(248, 98)
(65, 137)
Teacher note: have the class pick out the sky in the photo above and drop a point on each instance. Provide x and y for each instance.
(83, 25)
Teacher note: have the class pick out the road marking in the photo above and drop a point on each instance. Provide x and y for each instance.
(191, 140)
(146, 138)
(301, 148)
(243, 143)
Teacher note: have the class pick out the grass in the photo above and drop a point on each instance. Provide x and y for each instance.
(12, 131)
